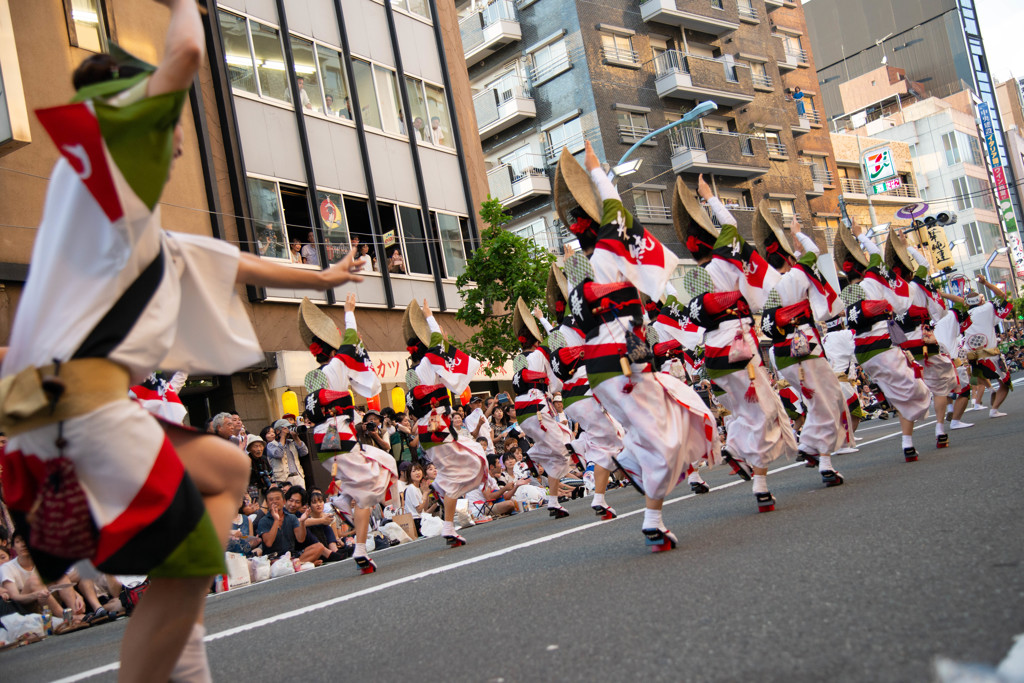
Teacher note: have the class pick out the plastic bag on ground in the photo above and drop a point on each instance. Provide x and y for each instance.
(430, 526)
(259, 568)
(396, 533)
(282, 567)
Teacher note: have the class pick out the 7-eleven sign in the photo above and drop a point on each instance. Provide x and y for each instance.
(879, 165)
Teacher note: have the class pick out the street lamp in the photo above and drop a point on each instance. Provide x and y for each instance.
(622, 168)
(991, 258)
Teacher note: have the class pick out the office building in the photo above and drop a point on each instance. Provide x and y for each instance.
(373, 150)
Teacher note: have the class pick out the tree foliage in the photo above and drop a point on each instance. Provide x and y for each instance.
(504, 268)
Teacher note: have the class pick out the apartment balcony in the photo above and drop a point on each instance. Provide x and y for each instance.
(653, 214)
(729, 154)
(762, 82)
(620, 57)
(630, 134)
(516, 182)
(791, 58)
(502, 107)
(773, 4)
(748, 13)
(855, 188)
(821, 180)
(486, 31)
(699, 15)
(777, 150)
(690, 77)
(744, 216)
(573, 143)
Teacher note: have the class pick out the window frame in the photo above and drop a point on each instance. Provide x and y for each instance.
(557, 66)
(466, 248)
(105, 19)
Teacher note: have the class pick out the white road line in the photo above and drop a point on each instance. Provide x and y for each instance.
(437, 570)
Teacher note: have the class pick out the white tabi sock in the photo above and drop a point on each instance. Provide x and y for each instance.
(695, 478)
(652, 520)
(940, 429)
(553, 501)
(360, 550)
(192, 665)
(824, 463)
(760, 483)
(599, 500)
(908, 441)
(447, 528)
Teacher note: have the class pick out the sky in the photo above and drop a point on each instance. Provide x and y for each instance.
(1001, 22)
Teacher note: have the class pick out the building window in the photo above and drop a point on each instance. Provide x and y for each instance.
(759, 74)
(618, 49)
(550, 60)
(333, 225)
(335, 83)
(392, 119)
(440, 123)
(363, 73)
(269, 57)
(87, 24)
(237, 52)
(565, 135)
(538, 232)
(962, 194)
(952, 149)
(265, 207)
(453, 231)
(775, 145)
(785, 208)
(650, 206)
(418, 7)
(404, 226)
(971, 147)
(310, 90)
(632, 125)
(975, 247)
(981, 193)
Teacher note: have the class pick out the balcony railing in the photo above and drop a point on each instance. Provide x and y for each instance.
(852, 185)
(573, 143)
(812, 115)
(653, 213)
(822, 175)
(541, 72)
(724, 153)
(698, 15)
(799, 54)
(633, 133)
(742, 213)
(503, 105)
(618, 55)
(857, 186)
(687, 76)
(761, 81)
(747, 12)
(522, 178)
(776, 149)
(488, 29)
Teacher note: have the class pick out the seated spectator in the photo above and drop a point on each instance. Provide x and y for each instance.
(491, 499)
(241, 538)
(320, 532)
(418, 495)
(508, 461)
(22, 583)
(403, 475)
(296, 501)
(280, 531)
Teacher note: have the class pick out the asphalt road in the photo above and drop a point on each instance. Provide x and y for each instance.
(866, 582)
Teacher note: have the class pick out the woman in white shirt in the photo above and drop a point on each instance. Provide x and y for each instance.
(416, 502)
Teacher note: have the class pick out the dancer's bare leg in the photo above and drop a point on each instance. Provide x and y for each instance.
(999, 396)
(601, 477)
(361, 518)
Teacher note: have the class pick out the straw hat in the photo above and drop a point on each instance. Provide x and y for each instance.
(522, 317)
(557, 289)
(689, 217)
(897, 258)
(767, 231)
(573, 187)
(847, 249)
(315, 323)
(414, 324)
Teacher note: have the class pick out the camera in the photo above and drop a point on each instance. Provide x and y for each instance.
(370, 426)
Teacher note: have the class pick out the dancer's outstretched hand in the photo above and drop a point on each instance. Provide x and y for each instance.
(590, 159)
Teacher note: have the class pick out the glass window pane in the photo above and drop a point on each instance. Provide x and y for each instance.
(333, 226)
(357, 216)
(367, 95)
(266, 217)
(236, 52)
(335, 83)
(452, 246)
(420, 7)
(415, 257)
(89, 29)
(305, 73)
(440, 124)
(266, 45)
(390, 109)
(418, 107)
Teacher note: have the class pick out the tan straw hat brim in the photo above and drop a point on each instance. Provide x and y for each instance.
(896, 252)
(522, 317)
(557, 288)
(847, 248)
(414, 324)
(689, 217)
(315, 323)
(573, 187)
(767, 227)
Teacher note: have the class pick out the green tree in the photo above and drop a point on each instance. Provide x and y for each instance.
(504, 268)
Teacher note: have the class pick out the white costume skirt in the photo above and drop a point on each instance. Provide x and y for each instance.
(759, 432)
(365, 474)
(891, 371)
(938, 374)
(600, 439)
(461, 467)
(827, 419)
(550, 438)
(669, 430)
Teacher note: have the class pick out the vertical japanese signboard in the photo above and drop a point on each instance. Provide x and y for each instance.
(1002, 192)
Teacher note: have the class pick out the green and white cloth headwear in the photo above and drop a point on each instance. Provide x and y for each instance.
(315, 380)
(697, 282)
(412, 380)
(519, 363)
(577, 269)
(556, 340)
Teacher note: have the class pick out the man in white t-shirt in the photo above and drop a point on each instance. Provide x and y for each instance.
(498, 496)
(22, 582)
(478, 422)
